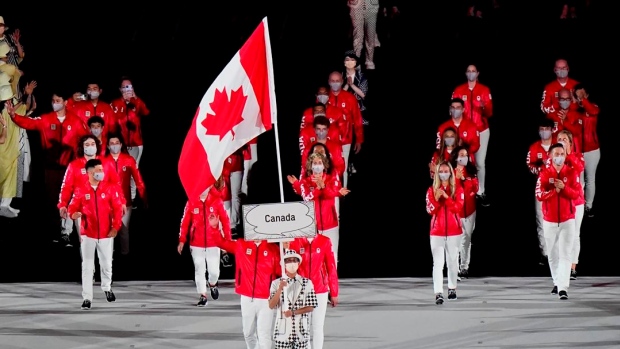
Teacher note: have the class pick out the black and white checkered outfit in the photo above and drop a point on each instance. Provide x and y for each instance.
(294, 332)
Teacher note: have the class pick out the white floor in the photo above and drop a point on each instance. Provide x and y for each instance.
(374, 313)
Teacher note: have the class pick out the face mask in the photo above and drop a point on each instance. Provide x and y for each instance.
(322, 134)
(93, 94)
(335, 86)
(292, 267)
(558, 160)
(98, 176)
(544, 135)
(444, 176)
(115, 149)
(322, 98)
(317, 169)
(564, 104)
(561, 73)
(57, 106)
(462, 160)
(472, 76)
(350, 64)
(449, 141)
(90, 150)
(456, 113)
(96, 131)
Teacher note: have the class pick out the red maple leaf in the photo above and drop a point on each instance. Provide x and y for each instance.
(226, 113)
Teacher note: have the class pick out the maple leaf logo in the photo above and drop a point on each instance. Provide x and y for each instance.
(227, 113)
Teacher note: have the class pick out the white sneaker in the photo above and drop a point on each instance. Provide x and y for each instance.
(8, 211)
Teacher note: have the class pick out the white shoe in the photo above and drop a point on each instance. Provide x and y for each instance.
(8, 211)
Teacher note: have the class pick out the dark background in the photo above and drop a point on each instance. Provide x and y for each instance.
(173, 54)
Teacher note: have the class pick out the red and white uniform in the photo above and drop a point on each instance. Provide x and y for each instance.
(101, 209)
(349, 106)
(584, 127)
(195, 222)
(470, 188)
(126, 168)
(58, 139)
(318, 263)
(337, 122)
(576, 161)
(550, 98)
(537, 156)
(307, 137)
(558, 207)
(86, 109)
(325, 206)
(467, 131)
(307, 140)
(446, 213)
(130, 119)
(76, 177)
(435, 159)
(478, 104)
(247, 153)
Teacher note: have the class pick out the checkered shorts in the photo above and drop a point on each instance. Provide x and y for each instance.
(291, 345)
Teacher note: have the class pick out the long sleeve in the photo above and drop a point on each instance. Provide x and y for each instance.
(474, 139)
(117, 201)
(66, 189)
(297, 187)
(533, 164)
(76, 204)
(546, 105)
(113, 178)
(30, 124)
(229, 246)
(137, 178)
(432, 206)
(543, 190)
(358, 122)
(487, 110)
(332, 272)
(141, 108)
(455, 205)
(308, 194)
(332, 188)
(470, 186)
(225, 220)
(573, 189)
(186, 222)
(590, 108)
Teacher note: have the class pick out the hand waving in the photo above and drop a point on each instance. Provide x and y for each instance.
(30, 87)
(16, 36)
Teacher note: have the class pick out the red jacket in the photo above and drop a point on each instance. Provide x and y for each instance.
(130, 119)
(318, 263)
(76, 177)
(126, 168)
(435, 159)
(86, 109)
(307, 137)
(324, 203)
(446, 219)
(467, 131)
(537, 156)
(583, 125)
(195, 222)
(558, 207)
(256, 266)
(101, 209)
(478, 104)
(470, 189)
(335, 152)
(59, 140)
(347, 102)
(550, 100)
(337, 122)
(247, 153)
(576, 161)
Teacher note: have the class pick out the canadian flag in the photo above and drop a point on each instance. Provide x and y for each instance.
(239, 106)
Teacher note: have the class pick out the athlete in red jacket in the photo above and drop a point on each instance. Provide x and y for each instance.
(127, 169)
(319, 133)
(331, 151)
(550, 98)
(203, 239)
(257, 264)
(557, 188)
(95, 107)
(337, 120)
(96, 125)
(97, 203)
(449, 141)
(466, 178)
(466, 129)
(319, 265)
(478, 108)
(444, 202)
(232, 173)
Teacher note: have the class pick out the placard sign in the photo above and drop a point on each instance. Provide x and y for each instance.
(281, 221)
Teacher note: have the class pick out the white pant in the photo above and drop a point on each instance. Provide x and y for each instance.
(236, 179)
(440, 247)
(123, 235)
(592, 158)
(468, 224)
(364, 21)
(67, 225)
(104, 248)
(560, 238)
(205, 259)
(542, 244)
(577, 243)
(247, 166)
(317, 318)
(257, 320)
(136, 153)
(334, 235)
(481, 156)
(346, 151)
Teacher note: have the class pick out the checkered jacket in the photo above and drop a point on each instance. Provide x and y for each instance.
(295, 328)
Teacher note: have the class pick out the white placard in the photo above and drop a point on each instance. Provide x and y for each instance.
(281, 221)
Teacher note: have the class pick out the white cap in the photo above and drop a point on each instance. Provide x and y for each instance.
(292, 254)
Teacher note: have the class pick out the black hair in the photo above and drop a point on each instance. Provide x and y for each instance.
(318, 104)
(470, 168)
(328, 156)
(62, 94)
(95, 120)
(556, 145)
(457, 100)
(120, 139)
(546, 122)
(92, 163)
(80, 146)
(321, 120)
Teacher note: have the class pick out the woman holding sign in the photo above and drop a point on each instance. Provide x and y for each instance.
(323, 188)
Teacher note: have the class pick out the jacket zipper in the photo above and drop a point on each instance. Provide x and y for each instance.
(471, 104)
(97, 214)
(558, 195)
(255, 271)
(206, 221)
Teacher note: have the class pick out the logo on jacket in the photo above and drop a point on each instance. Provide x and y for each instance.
(101, 114)
(318, 250)
(103, 195)
(196, 211)
(478, 98)
(69, 128)
(464, 98)
(265, 253)
(210, 209)
(87, 196)
(565, 179)
(540, 155)
(465, 134)
(83, 171)
(344, 105)
(248, 251)
(88, 113)
(124, 168)
(312, 139)
(551, 180)
(53, 127)
(302, 250)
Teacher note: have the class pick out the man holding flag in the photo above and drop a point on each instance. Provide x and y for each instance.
(239, 106)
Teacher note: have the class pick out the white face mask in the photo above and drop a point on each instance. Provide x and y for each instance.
(93, 94)
(115, 148)
(98, 176)
(322, 98)
(462, 160)
(57, 106)
(292, 267)
(90, 150)
(444, 176)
